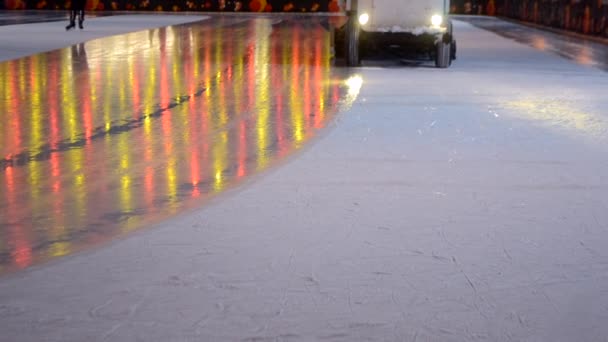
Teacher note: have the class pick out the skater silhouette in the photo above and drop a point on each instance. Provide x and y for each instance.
(76, 10)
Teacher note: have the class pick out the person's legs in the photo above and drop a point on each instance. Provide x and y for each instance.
(72, 20)
(80, 18)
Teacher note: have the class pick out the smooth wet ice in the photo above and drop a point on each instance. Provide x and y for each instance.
(103, 137)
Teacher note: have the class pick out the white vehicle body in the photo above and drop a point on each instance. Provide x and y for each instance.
(412, 16)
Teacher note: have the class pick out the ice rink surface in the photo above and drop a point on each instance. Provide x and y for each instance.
(22, 40)
(465, 204)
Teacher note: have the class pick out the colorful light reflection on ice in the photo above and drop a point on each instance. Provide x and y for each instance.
(95, 142)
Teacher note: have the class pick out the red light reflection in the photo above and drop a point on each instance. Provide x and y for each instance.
(165, 120)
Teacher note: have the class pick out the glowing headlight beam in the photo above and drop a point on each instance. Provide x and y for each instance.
(363, 18)
(354, 84)
(436, 20)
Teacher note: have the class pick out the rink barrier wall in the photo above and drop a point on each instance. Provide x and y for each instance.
(183, 5)
(589, 17)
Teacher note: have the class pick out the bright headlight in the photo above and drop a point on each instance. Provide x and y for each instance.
(363, 18)
(436, 20)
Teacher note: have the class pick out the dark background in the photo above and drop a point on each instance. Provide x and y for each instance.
(588, 17)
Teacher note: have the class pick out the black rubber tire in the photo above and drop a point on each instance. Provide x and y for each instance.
(443, 55)
(352, 41)
(453, 43)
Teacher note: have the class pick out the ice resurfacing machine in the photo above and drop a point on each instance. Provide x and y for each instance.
(422, 26)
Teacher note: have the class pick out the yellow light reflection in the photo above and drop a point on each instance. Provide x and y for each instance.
(558, 113)
(79, 180)
(59, 249)
(126, 204)
(22, 76)
(262, 52)
(126, 189)
(36, 103)
(172, 183)
(36, 127)
(220, 150)
(218, 180)
(295, 100)
(259, 104)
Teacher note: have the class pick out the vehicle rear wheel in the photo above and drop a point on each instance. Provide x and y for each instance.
(453, 41)
(353, 57)
(443, 54)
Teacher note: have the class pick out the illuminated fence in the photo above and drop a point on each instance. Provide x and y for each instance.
(583, 16)
(184, 5)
